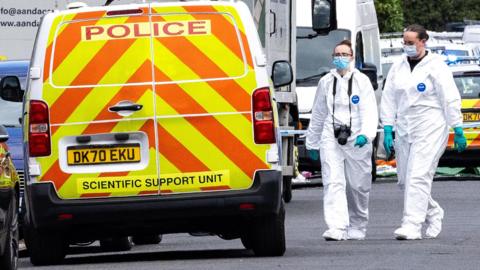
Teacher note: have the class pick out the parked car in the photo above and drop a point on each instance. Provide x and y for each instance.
(9, 193)
(11, 113)
(467, 79)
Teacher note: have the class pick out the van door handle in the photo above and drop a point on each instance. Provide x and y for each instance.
(274, 23)
(126, 107)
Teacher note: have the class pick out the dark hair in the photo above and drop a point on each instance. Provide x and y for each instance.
(345, 42)
(417, 28)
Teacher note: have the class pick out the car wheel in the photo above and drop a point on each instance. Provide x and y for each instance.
(45, 248)
(147, 239)
(268, 235)
(117, 243)
(9, 259)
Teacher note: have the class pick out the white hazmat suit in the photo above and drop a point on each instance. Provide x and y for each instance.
(346, 169)
(420, 104)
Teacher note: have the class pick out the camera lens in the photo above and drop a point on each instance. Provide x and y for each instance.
(342, 135)
(336, 132)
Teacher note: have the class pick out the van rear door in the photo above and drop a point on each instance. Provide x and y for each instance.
(204, 78)
(98, 87)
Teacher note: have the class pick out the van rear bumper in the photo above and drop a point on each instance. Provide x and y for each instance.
(206, 212)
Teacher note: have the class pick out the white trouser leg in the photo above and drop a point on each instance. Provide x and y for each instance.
(333, 177)
(424, 155)
(433, 208)
(358, 171)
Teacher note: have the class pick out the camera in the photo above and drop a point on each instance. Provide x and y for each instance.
(342, 132)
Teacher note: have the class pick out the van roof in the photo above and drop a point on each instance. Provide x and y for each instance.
(140, 5)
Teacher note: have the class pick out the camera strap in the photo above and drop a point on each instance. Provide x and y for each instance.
(349, 92)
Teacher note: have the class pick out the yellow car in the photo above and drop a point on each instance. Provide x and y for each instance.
(9, 194)
(467, 79)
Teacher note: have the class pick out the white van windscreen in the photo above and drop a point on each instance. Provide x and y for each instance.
(314, 54)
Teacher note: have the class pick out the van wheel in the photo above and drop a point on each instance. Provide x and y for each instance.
(287, 189)
(268, 235)
(117, 243)
(147, 239)
(247, 240)
(45, 248)
(9, 259)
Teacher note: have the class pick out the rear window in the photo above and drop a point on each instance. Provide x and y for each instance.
(106, 51)
(469, 85)
(197, 46)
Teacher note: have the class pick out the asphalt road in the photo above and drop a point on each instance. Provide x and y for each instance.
(456, 248)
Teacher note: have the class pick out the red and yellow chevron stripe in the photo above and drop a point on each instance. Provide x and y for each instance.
(472, 134)
(195, 91)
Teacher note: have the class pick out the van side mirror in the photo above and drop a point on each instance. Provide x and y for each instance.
(370, 70)
(3, 134)
(323, 16)
(282, 73)
(10, 89)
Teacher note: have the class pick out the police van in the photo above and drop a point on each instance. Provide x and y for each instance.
(148, 119)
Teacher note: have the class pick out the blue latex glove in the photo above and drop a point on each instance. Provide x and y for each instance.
(313, 154)
(360, 141)
(459, 140)
(388, 140)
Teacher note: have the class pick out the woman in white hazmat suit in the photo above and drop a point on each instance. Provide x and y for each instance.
(420, 100)
(343, 126)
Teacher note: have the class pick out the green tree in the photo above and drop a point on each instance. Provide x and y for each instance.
(434, 15)
(390, 15)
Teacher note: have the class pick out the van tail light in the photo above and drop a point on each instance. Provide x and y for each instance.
(263, 124)
(38, 129)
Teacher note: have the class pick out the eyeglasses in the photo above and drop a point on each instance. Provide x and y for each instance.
(342, 54)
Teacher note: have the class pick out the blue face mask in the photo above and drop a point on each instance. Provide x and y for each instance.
(410, 50)
(341, 62)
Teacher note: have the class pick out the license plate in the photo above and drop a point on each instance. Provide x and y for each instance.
(103, 154)
(471, 116)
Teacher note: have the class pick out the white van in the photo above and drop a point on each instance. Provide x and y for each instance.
(355, 20)
(148, 119)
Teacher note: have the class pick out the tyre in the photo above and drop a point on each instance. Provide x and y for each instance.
(45, 248)
(123, 243)
(247, 241)
(9, 258)
(268, 235)
(147, 239)
(287, 189)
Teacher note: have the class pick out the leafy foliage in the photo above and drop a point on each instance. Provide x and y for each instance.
(390, 15)
(393, 15)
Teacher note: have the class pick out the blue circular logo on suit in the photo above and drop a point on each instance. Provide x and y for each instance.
(355, 99)
(421, 87)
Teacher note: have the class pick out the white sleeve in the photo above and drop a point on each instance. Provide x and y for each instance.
(388, 105)
(319, 114)
(449, 95)
(368, 109)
